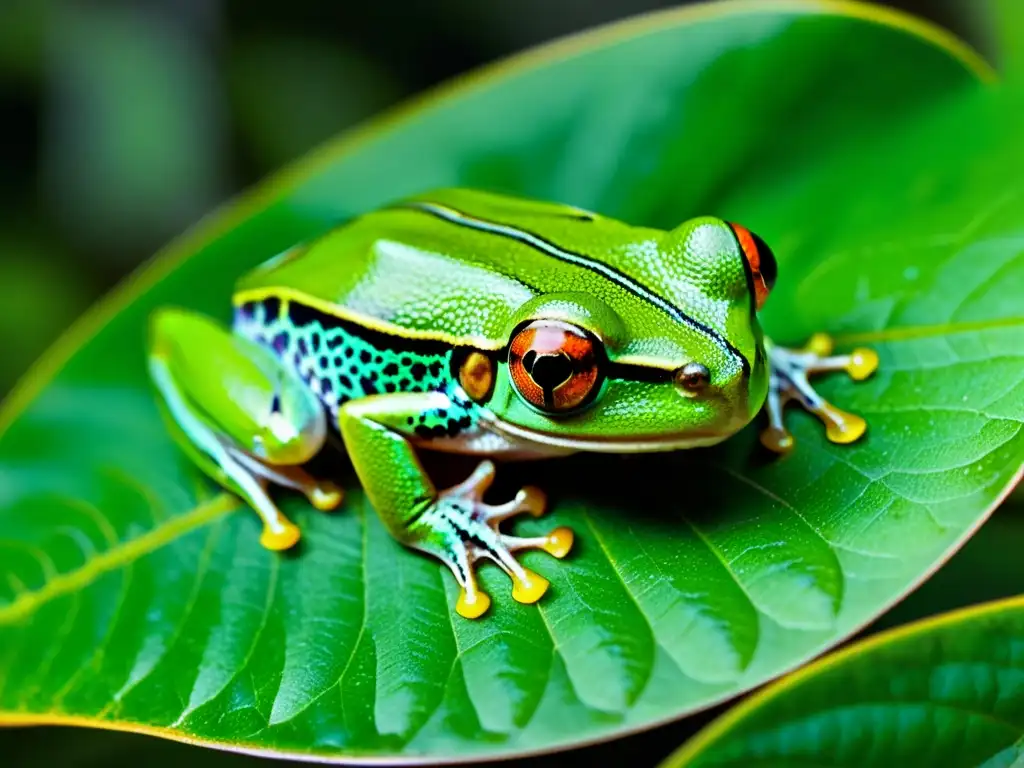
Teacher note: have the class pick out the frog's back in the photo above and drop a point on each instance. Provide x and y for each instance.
(452, 265)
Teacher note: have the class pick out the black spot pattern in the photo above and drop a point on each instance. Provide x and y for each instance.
(356, 367)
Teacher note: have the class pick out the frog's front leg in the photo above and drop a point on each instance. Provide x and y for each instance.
(788, 381)
(242, 418)
(453, 525)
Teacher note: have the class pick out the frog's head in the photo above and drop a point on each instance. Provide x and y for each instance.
(667, 354)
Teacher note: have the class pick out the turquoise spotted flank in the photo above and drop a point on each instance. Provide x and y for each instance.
(339, 363)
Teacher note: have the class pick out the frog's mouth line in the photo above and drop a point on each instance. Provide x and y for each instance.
(623, 444)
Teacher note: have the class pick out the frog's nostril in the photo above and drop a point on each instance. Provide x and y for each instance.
(692, 377)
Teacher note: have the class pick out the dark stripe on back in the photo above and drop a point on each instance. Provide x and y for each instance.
(545, 246)
(301, 315)
(631, 372)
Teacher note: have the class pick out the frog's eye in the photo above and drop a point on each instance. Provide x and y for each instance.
(554, 365)
(760, 260)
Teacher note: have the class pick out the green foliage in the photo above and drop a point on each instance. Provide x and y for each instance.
(20, 39)
(132, 141)
(1006, 23)
(133, 593)
(291, 93)
(27, 275)
(944, 691)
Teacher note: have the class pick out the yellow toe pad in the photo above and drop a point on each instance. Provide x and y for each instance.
(531, 589)
(534, 501)
(285, 537)
(326, 496)
(843, 427)
(472, 606)
(863, 362)
(777, 440)
(559, 542)
(820, 344)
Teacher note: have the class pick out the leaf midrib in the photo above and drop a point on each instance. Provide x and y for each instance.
(906, 332)
(117, 556)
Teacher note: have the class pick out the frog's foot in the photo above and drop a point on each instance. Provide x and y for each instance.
(460, 529)
(253, 477)
(788, 381)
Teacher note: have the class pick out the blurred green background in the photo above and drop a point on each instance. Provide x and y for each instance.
(128, 121)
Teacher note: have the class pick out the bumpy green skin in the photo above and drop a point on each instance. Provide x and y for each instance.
(371, 323)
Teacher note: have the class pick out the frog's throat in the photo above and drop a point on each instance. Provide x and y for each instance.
(623, 444)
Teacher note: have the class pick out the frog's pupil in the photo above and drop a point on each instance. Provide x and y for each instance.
(548, 370)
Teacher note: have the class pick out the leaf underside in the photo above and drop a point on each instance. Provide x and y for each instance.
(134, 594)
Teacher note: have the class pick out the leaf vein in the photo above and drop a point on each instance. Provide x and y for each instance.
(115, 558)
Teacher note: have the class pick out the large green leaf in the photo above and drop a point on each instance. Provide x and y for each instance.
(134, 595)
(987, 568)
(945, 691)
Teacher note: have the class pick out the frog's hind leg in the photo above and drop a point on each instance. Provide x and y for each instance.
(788, 381)
(210, 452)
(246, 437)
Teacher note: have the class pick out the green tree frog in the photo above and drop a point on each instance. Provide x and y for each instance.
(480, 324)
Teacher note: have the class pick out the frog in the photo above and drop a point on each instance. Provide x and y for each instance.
(503, 328)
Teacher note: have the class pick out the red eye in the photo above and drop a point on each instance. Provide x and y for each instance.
(553, 365)
(760, 260)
